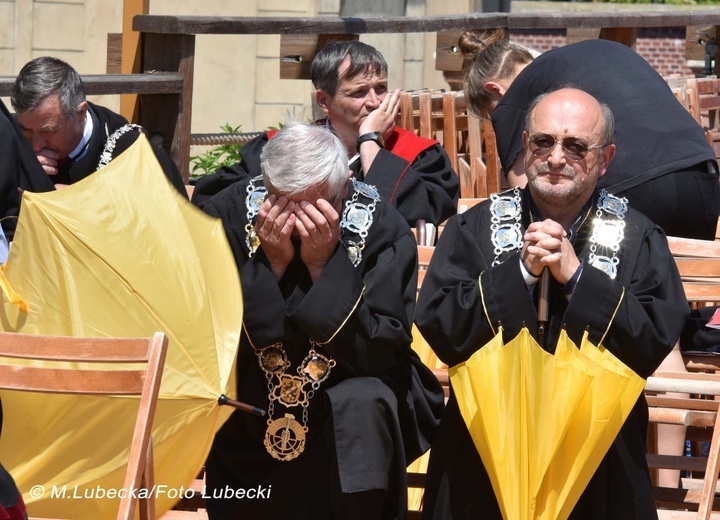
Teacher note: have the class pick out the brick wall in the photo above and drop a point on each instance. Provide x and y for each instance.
(664, 49)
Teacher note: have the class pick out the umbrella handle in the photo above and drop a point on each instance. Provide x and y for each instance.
(543, 305)
(224, 400)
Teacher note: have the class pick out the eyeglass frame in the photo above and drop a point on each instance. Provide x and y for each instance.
(570, 155)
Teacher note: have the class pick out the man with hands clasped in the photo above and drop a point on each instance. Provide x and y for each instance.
(410, 172)
(329, 274)
(611, 273)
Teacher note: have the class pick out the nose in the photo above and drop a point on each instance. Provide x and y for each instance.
(557, 155)
(373, 100)
(38, 142)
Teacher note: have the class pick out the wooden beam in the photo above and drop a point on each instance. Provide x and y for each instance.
(166, 24)
(447, 54)
(298, 50)
(100, 84)
(114, 53)
(131, 61)
(170, 115)
(625, 35)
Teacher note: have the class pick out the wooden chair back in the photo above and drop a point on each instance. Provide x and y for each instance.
(424, 256)
(57, 375)
(696, 496)
(469, 142)
(698, 262)
(701, 97)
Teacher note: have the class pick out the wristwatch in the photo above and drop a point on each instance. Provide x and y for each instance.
(370, 136)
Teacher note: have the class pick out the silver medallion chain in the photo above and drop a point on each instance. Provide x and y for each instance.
(506, 218)
(608, 232)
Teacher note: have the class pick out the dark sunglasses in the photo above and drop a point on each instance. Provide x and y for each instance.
(573, 147)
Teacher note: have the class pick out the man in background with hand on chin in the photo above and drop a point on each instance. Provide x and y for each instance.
(412, 173)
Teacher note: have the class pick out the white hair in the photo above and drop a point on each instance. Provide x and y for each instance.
(303, 155)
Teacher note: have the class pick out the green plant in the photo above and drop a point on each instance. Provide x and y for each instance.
(218, 156)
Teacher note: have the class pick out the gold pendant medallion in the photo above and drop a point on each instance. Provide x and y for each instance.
(285, 438)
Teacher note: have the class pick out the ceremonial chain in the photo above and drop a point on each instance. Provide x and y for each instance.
(506, 216)
(607, 233)
(256, 194)
(285, 437)
(106, 155)
(357, 218)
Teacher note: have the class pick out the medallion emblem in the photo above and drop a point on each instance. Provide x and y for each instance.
(273, 359)
(358, 218)
(252, 241)
(284, 438)
(316, 367)
(256, 198)
(617, 206)
(606, 264)
(290, 390)
(504, 208)
(507, 237)
(608, 233)
(354, 253)
(367, 189)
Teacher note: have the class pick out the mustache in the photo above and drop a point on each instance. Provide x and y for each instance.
(567, 170)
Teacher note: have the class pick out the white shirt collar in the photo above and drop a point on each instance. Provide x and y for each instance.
(87, 133)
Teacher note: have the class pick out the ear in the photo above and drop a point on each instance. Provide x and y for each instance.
(322, 99)
(525, 138)
(607, 154)
(82, 109)
(494, 88)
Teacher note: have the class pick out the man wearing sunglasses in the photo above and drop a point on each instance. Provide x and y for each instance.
(609, 272)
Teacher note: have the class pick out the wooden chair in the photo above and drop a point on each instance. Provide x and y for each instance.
(700, 415)
(701, 97)
(698, 262)
(56, 375)
(469, 142)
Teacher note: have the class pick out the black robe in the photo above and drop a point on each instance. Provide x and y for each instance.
(21, 169)
(425, 188)
(451, 316)
(105, 122)
(380, 406)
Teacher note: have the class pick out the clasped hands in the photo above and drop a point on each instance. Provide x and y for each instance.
(546, 245)
(316, 225)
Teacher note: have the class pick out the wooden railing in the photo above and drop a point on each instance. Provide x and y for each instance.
(168, 44)
(100, 84)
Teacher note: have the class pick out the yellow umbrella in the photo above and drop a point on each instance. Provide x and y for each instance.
(545, 421)
(120, 253)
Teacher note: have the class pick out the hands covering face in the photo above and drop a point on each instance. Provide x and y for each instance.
(317, 225)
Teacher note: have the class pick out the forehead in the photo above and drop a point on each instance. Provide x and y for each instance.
(48, 111)
(570, 115)
(366, 75)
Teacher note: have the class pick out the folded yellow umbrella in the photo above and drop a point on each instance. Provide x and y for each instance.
(119, 254)
(545, 421)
